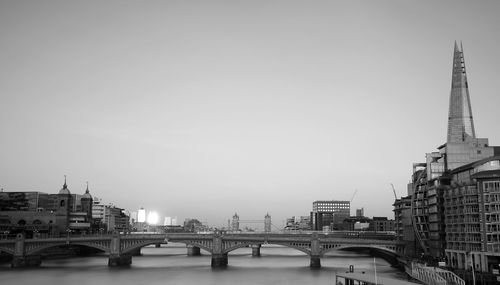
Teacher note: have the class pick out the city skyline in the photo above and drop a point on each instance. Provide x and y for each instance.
(201, 110)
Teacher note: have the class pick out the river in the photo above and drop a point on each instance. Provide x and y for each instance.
(170, 265)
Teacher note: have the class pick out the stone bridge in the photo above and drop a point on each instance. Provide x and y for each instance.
(26, 252)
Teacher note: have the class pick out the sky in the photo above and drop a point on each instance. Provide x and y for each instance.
(203, 109)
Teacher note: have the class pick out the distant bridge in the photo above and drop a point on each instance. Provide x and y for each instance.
(121, 247)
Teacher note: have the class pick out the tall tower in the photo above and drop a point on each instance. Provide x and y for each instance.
(235, 224)
(462, 146)
(460, 121)
(63, 208)
(64, 199)
(267, 223)
(87, 203)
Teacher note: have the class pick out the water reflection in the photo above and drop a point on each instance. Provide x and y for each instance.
(171, 265)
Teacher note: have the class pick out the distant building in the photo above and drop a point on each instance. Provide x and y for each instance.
(141, 215)
(235, 223)
(302, 223)
(267, 223)
(329, 214)
(360, 212)
(193, 225)
(382, 224)
(167, 221)
(356, 223)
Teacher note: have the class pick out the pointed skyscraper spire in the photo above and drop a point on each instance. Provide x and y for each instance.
(460, 122)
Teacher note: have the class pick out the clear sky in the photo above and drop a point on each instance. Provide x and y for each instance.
(206, 108)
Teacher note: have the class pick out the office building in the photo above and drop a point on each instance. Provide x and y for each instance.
(329, 215)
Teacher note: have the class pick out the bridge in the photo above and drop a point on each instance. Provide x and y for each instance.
(121, 247)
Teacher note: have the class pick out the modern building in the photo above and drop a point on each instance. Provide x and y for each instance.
(454, 205)
(329, 215)
(405, 235)
(472, 216)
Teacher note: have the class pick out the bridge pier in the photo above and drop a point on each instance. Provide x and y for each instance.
(20, 259)
(193, 250)
(315, 262)
(26, 261)
(119, 260)
(219, 260)
(116, 257)
(315, 252)
(256, 250)
(136, 252)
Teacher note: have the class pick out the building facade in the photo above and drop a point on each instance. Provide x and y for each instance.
(453, 198)
(267, 223)
(472, 216)
(39, 213)
(405, 235)
(329, 215)
(235, 223)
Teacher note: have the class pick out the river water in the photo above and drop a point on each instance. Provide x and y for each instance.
(170, 265)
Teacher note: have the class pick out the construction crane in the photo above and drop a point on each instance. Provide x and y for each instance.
(355, 191)
(394, 191)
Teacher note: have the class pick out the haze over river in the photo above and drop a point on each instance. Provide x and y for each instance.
(171, 265)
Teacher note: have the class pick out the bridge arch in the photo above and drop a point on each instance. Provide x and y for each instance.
(386, 253)
(246, 244)
(38, 249)
(8, 250)
(127, 249)
(202, 246)
(364, 246)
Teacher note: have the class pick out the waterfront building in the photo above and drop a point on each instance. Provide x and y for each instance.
(115, 219)
(472, 216)
(454, 205)
(405, 235)
(329, 215)
(39, 213)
